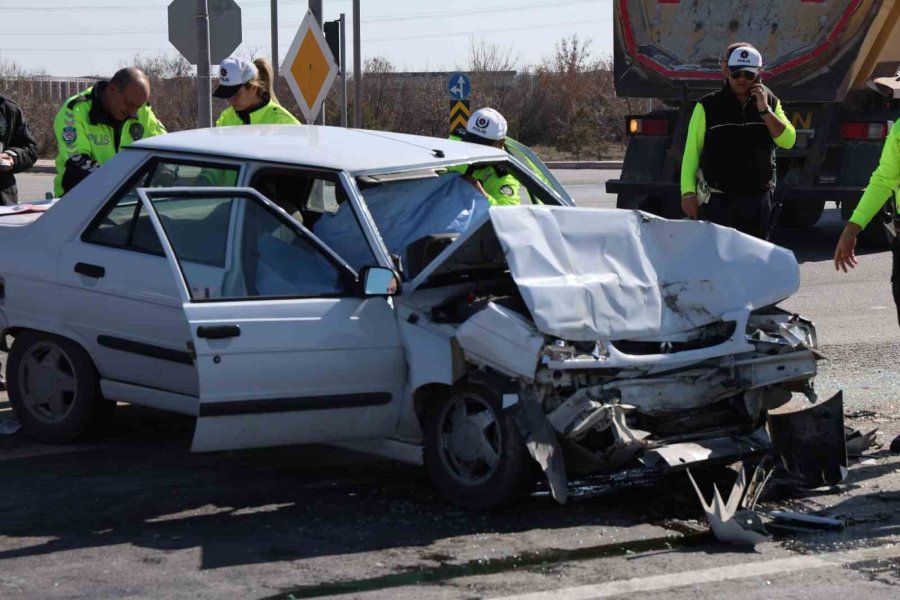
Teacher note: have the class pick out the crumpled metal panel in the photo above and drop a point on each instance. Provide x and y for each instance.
(588, 274)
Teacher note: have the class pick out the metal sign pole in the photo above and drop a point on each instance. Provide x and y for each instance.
(343, 70)
(357, 69)
(204, 98)
(274, 20)
(316, 7)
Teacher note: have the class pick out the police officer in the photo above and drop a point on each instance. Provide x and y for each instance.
(93, 125)
(18, 149)
(730, 147)
(486, 126)
(884, 182)
(248, 87)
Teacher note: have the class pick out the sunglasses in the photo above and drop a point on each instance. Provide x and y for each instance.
(744, 75)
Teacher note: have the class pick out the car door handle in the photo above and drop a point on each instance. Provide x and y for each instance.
(95, 271)
(218, 332)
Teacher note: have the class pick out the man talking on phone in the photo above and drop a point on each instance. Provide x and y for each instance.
(18, 149)
(729, 154)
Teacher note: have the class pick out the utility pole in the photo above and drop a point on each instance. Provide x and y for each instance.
(204, 98)
(343, 20)
(316, 7)
(357, 69)
(274, 20)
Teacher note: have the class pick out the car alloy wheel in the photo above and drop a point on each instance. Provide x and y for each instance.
(54, 389)
(48, 382)
(474, 450)
(471, 439)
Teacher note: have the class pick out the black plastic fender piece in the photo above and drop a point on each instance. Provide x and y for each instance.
(811, 442)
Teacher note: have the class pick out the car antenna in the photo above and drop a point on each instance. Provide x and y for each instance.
(437, 153)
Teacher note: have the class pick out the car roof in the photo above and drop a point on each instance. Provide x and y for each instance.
(354, 150)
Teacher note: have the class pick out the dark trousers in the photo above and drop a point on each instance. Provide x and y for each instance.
(748, 213)
(895, 272)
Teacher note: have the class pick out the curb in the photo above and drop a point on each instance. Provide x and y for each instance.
(584, 164)
(43, 166)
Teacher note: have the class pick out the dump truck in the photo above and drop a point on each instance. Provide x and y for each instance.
(834, 64)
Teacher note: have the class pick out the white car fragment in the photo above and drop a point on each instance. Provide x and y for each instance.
(730, 521)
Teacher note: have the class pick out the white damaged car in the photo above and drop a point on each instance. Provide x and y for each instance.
(291, 285)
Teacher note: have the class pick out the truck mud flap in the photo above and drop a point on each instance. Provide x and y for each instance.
(811, 442)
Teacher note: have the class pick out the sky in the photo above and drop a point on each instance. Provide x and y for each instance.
(83, 37)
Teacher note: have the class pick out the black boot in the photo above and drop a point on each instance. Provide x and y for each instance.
(895, 445)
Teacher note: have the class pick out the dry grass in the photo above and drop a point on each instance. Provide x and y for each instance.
(566, 107)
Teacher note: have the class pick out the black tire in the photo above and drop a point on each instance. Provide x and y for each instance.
(876, 235)
(801, 214)
(54, 389)
(498, 473)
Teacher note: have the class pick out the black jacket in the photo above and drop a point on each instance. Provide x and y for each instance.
(738, 150)
(16, 139)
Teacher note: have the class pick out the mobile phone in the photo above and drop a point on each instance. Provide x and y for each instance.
(5, 163)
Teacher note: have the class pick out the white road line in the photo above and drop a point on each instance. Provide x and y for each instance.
(712, 575)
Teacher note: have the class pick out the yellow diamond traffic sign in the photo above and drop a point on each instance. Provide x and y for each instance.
(309, 67)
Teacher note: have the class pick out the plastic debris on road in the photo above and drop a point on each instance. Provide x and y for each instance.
(731, 522)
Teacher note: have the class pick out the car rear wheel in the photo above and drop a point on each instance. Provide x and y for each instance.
(54, 390)
(473, 450)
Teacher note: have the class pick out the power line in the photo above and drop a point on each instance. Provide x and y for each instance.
(372, 40)
(444, 14)
(134, 7)
(485, 31)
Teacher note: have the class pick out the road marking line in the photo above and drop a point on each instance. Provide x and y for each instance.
(712, 575)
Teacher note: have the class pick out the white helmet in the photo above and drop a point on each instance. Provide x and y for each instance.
(487, 123)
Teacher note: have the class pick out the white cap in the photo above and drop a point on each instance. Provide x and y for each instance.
(487, 123)
(744, 58)
(233, 73)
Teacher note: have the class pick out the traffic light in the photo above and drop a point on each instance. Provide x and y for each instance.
(333, 37)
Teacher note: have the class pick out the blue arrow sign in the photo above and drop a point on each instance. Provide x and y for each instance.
(459, 86)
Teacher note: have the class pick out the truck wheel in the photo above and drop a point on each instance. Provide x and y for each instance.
(802, 214)
(473, 450)
(876, 235)
(53, 389)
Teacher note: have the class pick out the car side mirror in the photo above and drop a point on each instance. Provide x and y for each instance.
(379, 281)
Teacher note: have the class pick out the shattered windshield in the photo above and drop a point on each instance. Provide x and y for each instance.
(419, 214)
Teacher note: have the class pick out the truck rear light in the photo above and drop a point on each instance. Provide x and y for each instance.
(648, 126)
(864, 131)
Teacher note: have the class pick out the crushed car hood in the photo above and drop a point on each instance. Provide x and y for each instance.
(588, 274)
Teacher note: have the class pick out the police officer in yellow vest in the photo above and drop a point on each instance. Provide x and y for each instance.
(93, 125)
(884, 183)
(486, 126)
(248, 89)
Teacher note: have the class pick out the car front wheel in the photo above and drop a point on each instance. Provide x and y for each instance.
(53, 388)
(474, 451)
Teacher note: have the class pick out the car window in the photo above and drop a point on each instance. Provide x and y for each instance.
(527, 156)
(123, 224)
(418, 218)
(238, 248)
(318, 201)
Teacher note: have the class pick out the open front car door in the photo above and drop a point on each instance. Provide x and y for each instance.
(287, 347)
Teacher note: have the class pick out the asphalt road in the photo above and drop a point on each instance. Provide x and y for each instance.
(135, 515)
